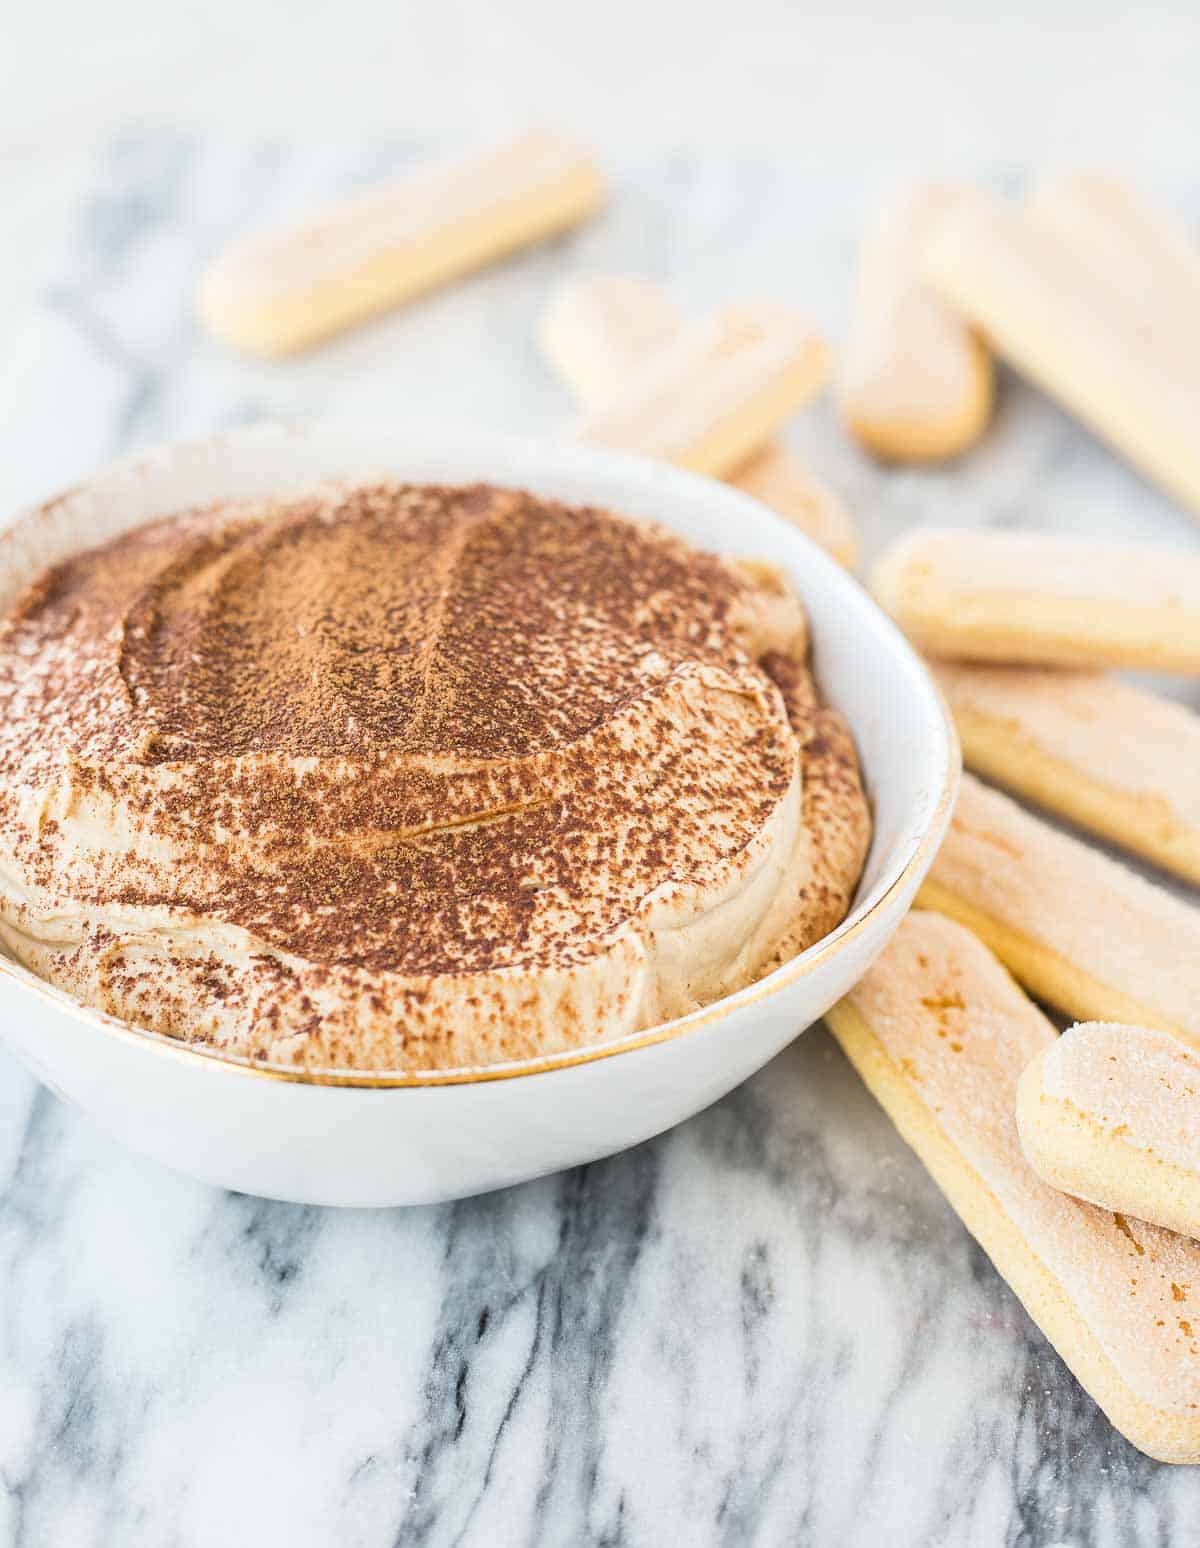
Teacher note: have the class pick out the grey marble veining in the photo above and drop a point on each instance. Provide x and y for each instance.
(764, 1327)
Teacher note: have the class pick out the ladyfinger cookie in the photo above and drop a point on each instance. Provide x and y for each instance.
(916, 383)
(717, 393)
(597, 331)
(777, 477)
(1057, 316)
(1079, 930)
(1143, 252)
(1111, 1114)
(279, 291)
(1040, 598)
(1089, 747)
(940, 1034)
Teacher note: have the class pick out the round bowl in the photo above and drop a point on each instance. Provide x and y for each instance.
(382, 1139)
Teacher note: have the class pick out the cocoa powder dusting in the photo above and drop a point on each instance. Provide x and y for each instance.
(389, 733)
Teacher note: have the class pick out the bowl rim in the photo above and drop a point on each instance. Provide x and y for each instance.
(859, 919)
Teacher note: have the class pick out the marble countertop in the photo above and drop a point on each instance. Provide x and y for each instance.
(763, 1327)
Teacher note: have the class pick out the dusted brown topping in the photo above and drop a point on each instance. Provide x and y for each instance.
(393, 776)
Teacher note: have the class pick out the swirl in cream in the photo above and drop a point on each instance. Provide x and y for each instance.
(400, 777)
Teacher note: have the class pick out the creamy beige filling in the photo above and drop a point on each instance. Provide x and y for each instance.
(687, 945)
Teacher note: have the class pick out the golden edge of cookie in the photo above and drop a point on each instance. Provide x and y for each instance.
(279, 325)
(1023, 628)
(1142, 823)
(833, 532)
(1068, 1149)
(1166, 1436)
(895, 438)
(733, 438)
(1043, 971)
(816, 510)
(840, 546)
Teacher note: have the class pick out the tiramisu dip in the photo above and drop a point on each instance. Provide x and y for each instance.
(397, 777)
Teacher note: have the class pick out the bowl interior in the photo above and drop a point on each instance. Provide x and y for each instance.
(863, 664)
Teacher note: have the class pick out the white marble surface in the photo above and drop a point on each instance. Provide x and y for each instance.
(955, 83)
(765, 1327)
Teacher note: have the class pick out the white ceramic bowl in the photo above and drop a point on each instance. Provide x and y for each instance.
(403, 1139)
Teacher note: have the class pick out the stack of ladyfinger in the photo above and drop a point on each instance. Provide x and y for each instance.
(707, 394)
(704, 394)
(1075, 1160)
